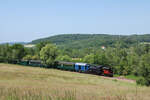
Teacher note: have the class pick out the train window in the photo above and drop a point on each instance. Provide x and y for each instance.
(79, 67)
(86, 67)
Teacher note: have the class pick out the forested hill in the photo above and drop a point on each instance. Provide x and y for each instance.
(96, 40)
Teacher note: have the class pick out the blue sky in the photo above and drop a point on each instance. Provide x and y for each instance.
(26, 20)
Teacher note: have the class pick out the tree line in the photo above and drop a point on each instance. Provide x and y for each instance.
(81, 41)
(133, 60)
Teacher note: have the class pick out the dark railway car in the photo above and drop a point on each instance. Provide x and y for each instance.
(35, 63)
(24, 62)
(66, 65)
(95, 70)
(78, 67)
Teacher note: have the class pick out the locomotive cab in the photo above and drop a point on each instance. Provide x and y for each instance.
(107, 71)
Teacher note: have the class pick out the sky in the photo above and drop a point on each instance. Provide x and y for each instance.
(27, 20)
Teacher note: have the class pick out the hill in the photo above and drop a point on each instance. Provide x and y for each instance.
(79, 41)
(30, 83)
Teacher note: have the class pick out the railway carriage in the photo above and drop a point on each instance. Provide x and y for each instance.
(35, 63)
(24, 62)
(66, 66)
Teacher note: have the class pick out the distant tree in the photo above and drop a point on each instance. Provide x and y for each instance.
(6, 53)
(64, 58)
(27, 57)
(147, 48)
(35, 57)
(138, 49)
(40, 45)
(1, 54)
(48, 54)
(144, 70)
(89, 59)
(30, 51)
(18, 51)
(100, 59)
(133, 62)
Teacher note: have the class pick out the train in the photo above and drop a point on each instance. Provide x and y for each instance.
(72, 66)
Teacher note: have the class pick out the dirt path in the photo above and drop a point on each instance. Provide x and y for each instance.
(120, 78)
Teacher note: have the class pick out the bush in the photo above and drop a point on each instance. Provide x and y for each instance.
(143, 81)
(1, 59)
(27, 57)
(64, 58)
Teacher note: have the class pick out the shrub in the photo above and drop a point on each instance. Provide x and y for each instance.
(143, 81)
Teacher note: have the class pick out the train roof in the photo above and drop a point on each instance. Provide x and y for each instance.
(81, 64)
(38, 61)
(67, 63)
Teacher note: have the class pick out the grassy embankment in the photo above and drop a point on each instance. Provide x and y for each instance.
(29, 83)
(132, 77)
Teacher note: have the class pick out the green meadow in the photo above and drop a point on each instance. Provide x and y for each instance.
(33, 83)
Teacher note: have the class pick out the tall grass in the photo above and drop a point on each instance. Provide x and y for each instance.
(27, 83)
(36, 94)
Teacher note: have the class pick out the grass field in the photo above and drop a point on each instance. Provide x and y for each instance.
(32, 83)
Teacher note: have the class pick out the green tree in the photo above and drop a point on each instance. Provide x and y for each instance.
(18, 51)
(30, 51)
(89, 59)
(40, 45)
(1, 54)
(64, 58)
(144, 70)
(6, 53)
(35, 57)
(27, 57)
(48, 54)
(133, 60)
